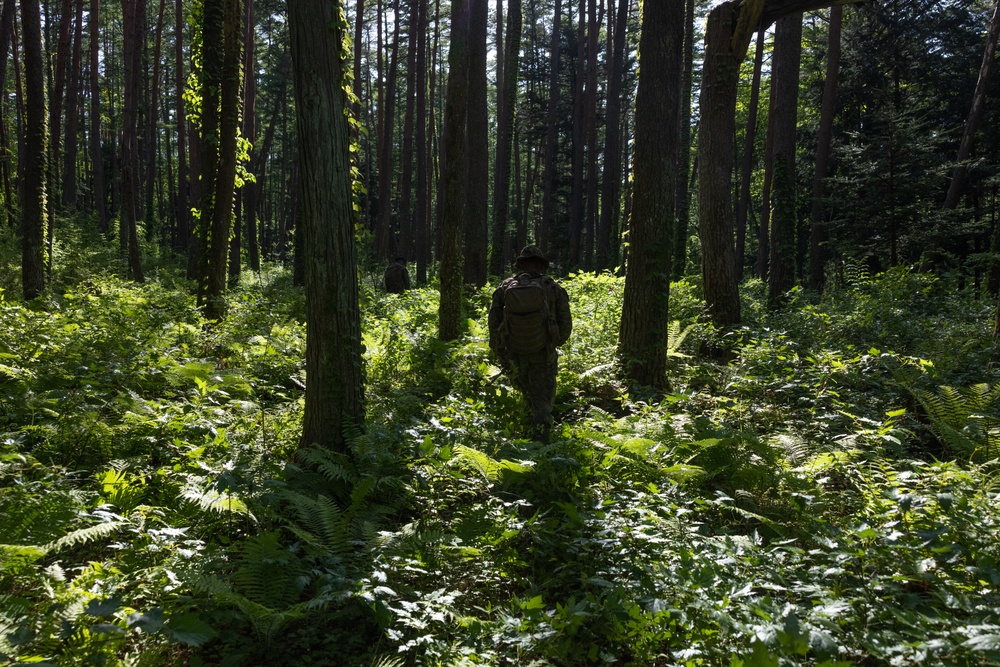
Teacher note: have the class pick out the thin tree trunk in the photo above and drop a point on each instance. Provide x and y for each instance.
(152, 130)
(183, 205)
(247, 194)
(548, 182)
(507, 101)
(404, 245)
(975, 114)
(58, 92)
(611, 185)
(590, 130)
(421, 233)
(229, 118)
(96, 155)
(385, 240)
(749, 139)
(73, 111)
(131, 31)
(477, 150)
(454, 182)
(818, 232)
(6, 33)
(576, 208)
(33, 210)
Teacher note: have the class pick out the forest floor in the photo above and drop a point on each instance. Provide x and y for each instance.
(828, 495)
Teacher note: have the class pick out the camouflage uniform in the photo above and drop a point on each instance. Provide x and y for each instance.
(534, 375)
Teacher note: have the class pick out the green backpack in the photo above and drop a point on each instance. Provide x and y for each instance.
(526, 316)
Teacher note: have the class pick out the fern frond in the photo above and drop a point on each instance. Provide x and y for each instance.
(321, 523)
(210, 500)
(494, 471)
(387, 661)
(85, 535)
(334, 467)
(675, 337)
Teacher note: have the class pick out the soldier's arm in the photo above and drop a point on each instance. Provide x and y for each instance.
(564, 319)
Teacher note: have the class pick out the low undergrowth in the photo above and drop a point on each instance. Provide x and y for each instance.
(826, 496)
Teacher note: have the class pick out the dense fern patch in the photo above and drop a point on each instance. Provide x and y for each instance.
(826, 495)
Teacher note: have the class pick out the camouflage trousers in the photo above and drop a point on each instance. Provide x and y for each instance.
(534, 375)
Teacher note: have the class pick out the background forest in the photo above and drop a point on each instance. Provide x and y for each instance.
(778, 415)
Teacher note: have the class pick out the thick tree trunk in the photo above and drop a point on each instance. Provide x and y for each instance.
(818, 233)
(453, 177)
(33, 210)
(720, 77)
(782, 118)
(642, 342)
(477, 150)
(131, 33)
(334, 402)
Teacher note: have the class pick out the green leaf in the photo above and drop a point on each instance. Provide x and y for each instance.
(103, 608)
(189, 629)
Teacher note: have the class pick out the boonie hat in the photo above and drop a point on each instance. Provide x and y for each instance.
(531, 252)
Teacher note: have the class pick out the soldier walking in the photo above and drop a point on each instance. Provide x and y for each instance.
(529, 318)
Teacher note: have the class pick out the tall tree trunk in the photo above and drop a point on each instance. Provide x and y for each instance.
(976, 113)
(818, 233)
(183, 201)
(724, 50)
(642, 341)
(679, 262)
(404, 245)
(421, 235)
(509, 65)
(549, 180)
(611, 185)
(58, 92)
(6, 33)
(152, 130)
(746, 172)
(246, 197)
(576, 209)
(385, 240)
(96, 154)
(782, 118)
(225, 182)
(73, 111)
(33, 210)
(131, 33)
(334, 402)
(477, 150)
(590, 130)
(453, 177)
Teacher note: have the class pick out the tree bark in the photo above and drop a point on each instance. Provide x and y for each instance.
(720, 77)
(183, 201)
(33, 209)
(6, 32)
(611, 185)
(96, 154)
(506, 105)
(576, 207)
(453, 176)
(477, 150)
(422, 216)
(818, 233)
(385, 238)
(782, 121)
(404, 244)
(642, 341)
(548, 180)
(679, 262)
(746, 171)
(131, 32)
(73, 111)
(225, 181)
(334, 401)
(152, 130)
(975, 114)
